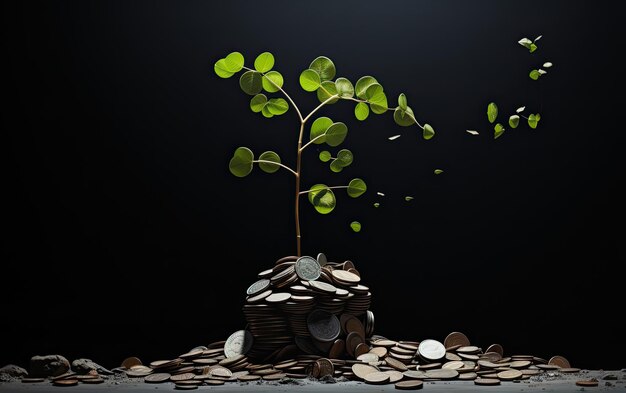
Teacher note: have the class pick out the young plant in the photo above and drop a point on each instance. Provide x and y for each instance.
(319, 78)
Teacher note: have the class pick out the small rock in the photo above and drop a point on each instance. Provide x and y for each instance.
(48, 366)
(11, 371)
(83, 366)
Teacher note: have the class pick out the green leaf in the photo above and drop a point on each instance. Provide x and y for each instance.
(404, 118)
(534, 75)
(356, 187)
(234, 62)
(241, 163)
(361, 111)
(499, 130)
(310, 80)
(336, 134)
(362, 84)
(438, 171)
(264, 62)
(533, 119)
(319, 127)
(266, 112)
(345, 157)
(402, 101)
(273, 76)
(250, 82)
(322, 198)
(325, 156)
(344, 88)
(492, 112)
(327, 90)
(428, 131)
(514, 121)
(408, 198)
(324, 67)
(377, 98)
(277, 106)
(525, 42)
(336, 166)
(376, 204)
(532, 48)
(266, 166)
(258, 102)
(221, 70)
(356, 226)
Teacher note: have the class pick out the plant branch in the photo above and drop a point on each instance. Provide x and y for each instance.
(282, 91)
(312, 141)
(330, 188)
(279, 164)
(319, 106)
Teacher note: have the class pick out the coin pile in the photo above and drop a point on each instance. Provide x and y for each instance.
(299, 301)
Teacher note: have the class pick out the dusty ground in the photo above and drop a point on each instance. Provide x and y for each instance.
(550, 382)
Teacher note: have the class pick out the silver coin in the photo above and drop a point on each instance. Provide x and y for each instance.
(239, 343)
(307, 268)
(323, 325)
(432, 350)
(321, 259)
(258, 287)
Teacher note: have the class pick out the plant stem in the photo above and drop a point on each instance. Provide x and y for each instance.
(282, 91)
(312, 141)
(319, 106)
(330, 188)
(279, 164)
(298, 172)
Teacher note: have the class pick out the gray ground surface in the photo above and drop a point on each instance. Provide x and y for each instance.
(546, 383)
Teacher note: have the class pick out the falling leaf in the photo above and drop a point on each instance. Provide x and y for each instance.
(380, 193)
(408, 198)
(356, 226)
(472, 132)
(542, 72)
(520, 109)
(391, 138)
(376, 204)
(547, 64)
(538, 38)
(438, 171)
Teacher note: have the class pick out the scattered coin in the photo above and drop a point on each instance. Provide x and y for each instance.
(456, 338)
(157, 378)
(130, 362)
(258, 287)
(377, 378)
(588, 383)
(239, 343)
(361, 370)
(321, 259)
(65, 382)
(495, 348)
(569, 370)
(308, 268)
(487, 381)
(409, 385)
(559, 361)
(510, 374)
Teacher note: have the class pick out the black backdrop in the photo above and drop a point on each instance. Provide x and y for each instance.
(125, 234)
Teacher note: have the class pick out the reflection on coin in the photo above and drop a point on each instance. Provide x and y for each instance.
(239, 343)
(431, 349)
(559, 361)
(258, 287)
(307, 268)
(409, 385)
(157, 378)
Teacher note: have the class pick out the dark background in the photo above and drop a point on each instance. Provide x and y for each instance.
(125, 234)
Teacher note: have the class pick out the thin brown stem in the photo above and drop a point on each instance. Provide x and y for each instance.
(277, 163)
(330, 188)
(298, 172)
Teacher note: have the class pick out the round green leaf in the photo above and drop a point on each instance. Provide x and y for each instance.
(267, 166)
(345, 157)
(234, 62)
(325, 156)
(402, 101)
(533, 47)
(344, 88)
(533, 119)
(404, 118)
(322, 198)
(264, 62)
(277, 106)
(258, 102)
(376, 204)
(336, 134)
(324, 67)
(438, 171)
(428, 131)
(356, 187)
(534, 75)
(356, 226)
(241, 163)
(319, 127)
(273, 76)
(221, 70)
(327, 90)
(362, 84)
(514, 121)
(310, 80)
(498, 130)
(336, 166)
(266, 112)
(492, 112)
(250, 82)
(377, 98)
(361, 111)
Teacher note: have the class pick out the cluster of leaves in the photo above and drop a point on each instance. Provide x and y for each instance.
(492, 115)
(528, 44)
(535, 73)
(367, 92)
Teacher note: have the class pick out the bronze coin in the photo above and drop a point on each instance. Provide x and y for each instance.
(157, 378)
(274, 377)
(326, 367)
(587, 383)
(361, 370)
(559, 361)
(131, 361)
(338, 349)
(32, 380)
(377, 378)
(487, 381)
(495, 348)
(182, 377)
(65, 382)
(510, 374)
(409, 385)
(398, 365)
(93, 381)
(456, 338)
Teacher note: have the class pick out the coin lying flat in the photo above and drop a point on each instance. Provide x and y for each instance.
(307, 268)
(377, 378)
(157, 378)
(409, 385)
(588, 382)
(361, 370)
(442, 373)
(258, 287)
(65, 382)
(487, 381)
(510, 374)
(238, 343)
